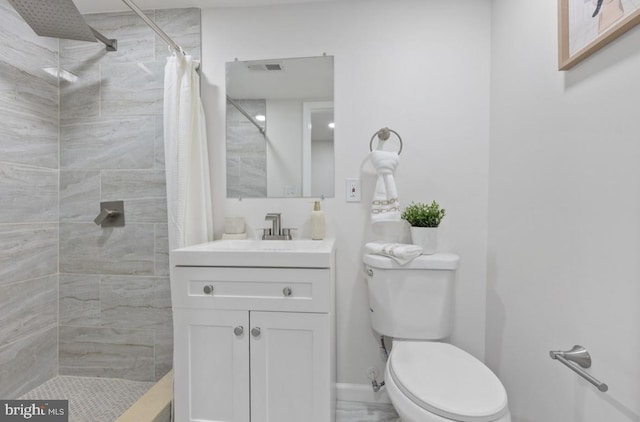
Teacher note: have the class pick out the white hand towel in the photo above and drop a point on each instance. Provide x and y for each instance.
(385, 204)
(401, 253)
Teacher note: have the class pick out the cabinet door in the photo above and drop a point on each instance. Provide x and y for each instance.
(211, 365)
(290, 367)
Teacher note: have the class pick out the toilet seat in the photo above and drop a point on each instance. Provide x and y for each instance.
(447, 381)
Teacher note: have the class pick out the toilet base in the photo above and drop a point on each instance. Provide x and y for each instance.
(410, 412)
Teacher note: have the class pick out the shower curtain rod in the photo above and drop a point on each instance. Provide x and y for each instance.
(176, 48)
(247, 115)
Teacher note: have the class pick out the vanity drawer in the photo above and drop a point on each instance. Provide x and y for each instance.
(266, 289)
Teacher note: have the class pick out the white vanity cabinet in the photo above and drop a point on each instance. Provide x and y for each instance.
(254, 344)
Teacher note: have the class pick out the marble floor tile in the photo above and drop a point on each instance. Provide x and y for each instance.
(365, 412)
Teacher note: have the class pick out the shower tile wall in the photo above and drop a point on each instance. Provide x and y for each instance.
(246, 152)
(28, 206)
(115, 303)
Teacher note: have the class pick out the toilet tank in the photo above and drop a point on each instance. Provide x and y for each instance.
(412, 301)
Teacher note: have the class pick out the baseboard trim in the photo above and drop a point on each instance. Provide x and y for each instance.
(361, 393)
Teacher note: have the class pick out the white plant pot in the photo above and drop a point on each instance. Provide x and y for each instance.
(425, 237)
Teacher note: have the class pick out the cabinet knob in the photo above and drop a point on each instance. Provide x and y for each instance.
(255, 331)
(238, 331)
(370, 272)
(287, 291)
(208, 289)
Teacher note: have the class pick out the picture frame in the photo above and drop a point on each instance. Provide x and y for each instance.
(586, 26)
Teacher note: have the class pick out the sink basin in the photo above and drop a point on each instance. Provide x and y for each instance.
(298, 253)
(262, 245)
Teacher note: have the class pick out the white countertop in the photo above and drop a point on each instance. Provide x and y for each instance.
(297, 253)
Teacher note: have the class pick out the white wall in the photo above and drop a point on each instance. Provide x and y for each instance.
(322, 168)
(564, 212)
(284, 149)
(419, 67)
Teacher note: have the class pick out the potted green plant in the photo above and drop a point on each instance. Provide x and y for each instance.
(424, 220)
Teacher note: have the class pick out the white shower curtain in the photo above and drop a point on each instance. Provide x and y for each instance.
(189, 205)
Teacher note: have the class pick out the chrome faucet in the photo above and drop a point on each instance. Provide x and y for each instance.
(276, 232)
(275, 221)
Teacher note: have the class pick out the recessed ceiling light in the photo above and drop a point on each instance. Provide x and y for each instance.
(332, 125)
(261, 117)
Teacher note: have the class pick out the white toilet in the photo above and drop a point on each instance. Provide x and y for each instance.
(427, 380)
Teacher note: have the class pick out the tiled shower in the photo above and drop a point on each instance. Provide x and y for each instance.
(29, 211)
(75, 298)
(246, 151)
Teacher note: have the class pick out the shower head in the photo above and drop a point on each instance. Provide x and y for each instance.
(59, 19)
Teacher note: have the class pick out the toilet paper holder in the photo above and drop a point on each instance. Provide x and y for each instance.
(576, 359)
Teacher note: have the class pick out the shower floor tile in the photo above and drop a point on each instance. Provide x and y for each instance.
(91, 399)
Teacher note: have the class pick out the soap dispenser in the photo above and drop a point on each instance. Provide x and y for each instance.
(317, 222)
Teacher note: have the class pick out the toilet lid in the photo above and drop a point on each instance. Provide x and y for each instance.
(447, 381)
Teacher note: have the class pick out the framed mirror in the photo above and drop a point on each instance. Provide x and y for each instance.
(279, 123)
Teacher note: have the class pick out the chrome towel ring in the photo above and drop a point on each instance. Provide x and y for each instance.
(383, 135)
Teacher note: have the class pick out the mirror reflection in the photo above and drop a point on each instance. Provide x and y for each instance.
(280, 126)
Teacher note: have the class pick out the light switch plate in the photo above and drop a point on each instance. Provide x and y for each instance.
(353, 193)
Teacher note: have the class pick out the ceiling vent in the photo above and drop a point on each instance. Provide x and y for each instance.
(265, 67)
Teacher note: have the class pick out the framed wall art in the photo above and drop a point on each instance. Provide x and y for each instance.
(585, 26)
